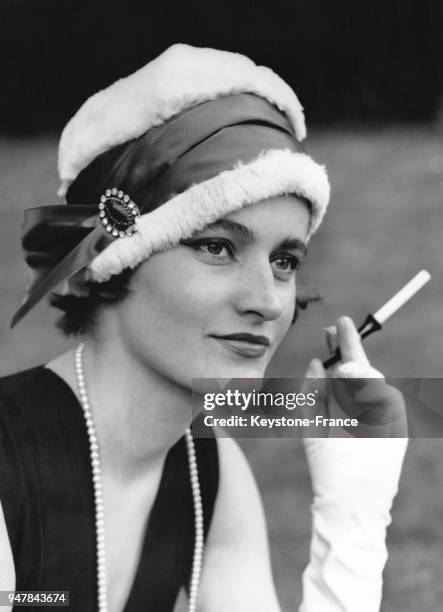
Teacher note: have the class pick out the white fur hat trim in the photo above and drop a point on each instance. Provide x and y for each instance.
(273, 173)
(178, 79)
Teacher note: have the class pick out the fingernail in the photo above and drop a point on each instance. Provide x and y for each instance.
(331, 337)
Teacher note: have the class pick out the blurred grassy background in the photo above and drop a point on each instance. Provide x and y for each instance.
(384, 225)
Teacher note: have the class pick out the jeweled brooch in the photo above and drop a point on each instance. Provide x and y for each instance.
(118, 213)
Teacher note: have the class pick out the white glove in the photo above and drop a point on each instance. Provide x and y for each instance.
(354, 482)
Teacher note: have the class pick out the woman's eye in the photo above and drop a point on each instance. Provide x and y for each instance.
(217, 247)
(286, 264)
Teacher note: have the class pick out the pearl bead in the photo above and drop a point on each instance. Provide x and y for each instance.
(98, 494)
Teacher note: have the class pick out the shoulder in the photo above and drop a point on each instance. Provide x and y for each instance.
(20, 397)
(14, 385)
(25, 392)
(18, 394)
(239, 516)
(224, 467)
(237, 543)
(32, 405)
(7, 570)
(237, 486)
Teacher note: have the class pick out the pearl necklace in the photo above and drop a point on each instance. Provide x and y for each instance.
(99, 506)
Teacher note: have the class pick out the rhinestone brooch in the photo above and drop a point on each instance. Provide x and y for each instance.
(118, 213)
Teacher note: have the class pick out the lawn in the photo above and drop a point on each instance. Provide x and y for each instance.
(384, 225)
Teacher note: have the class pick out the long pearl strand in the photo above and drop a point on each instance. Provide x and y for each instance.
(99, 505)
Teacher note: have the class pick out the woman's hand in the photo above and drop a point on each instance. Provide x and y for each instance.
(354, 479)
(353, 388)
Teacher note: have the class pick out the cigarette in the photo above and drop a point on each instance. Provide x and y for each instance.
(400, 298)
(374, 322)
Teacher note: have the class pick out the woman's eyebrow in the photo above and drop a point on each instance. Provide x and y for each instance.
(228, 224)
(294, 243)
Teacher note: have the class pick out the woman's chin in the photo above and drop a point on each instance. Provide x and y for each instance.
(219, 370)
(238, 371)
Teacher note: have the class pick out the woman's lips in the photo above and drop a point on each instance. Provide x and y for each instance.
(243, 347)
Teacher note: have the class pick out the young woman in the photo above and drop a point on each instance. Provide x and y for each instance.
(190, 202)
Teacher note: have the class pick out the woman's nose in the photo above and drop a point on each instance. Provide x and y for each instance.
(259, 294)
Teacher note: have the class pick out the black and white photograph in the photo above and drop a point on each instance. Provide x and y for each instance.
(221, 323)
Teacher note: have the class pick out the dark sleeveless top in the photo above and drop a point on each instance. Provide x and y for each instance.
(46, 491)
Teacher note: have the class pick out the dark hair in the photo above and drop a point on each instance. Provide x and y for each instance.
(303, 301)
(80, 312)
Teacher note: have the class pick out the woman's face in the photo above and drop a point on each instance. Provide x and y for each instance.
(237, 276)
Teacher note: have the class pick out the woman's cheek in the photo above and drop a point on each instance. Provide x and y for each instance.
(289, 301)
